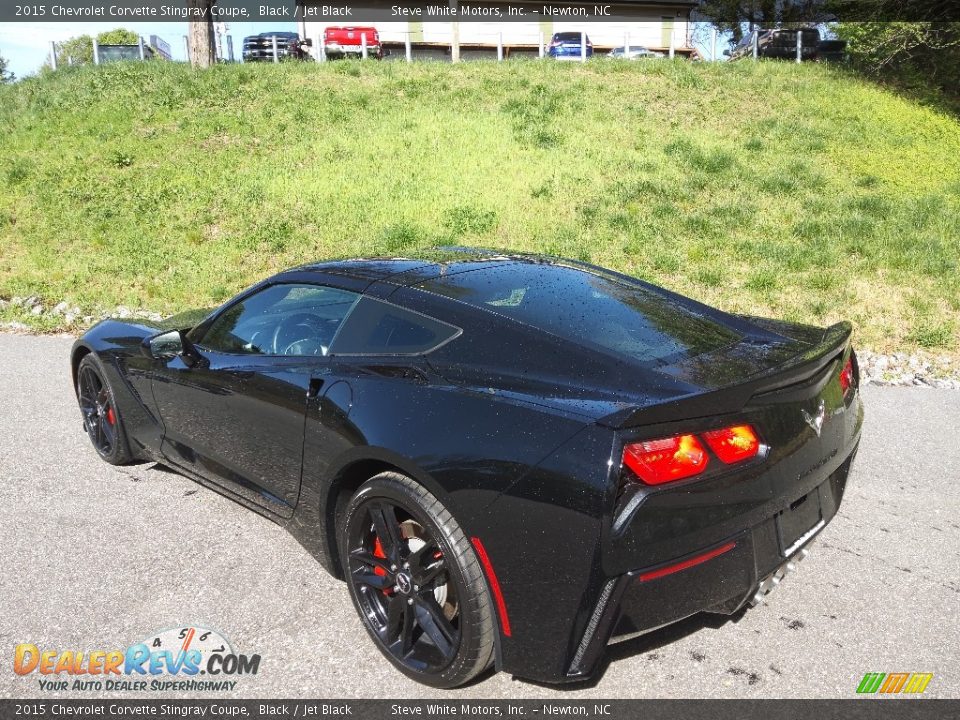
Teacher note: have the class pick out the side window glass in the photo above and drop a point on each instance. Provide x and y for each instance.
(379, 328)
(287, 319)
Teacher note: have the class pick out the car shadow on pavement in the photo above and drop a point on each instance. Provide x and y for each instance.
(166, 469)
(646, 643)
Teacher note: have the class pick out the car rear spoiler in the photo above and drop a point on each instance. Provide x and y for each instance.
(804, 368)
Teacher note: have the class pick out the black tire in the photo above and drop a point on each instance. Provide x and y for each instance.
(405, 559)
(101, 416)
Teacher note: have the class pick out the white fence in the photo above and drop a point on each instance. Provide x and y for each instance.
(474, 40)
(487, 43)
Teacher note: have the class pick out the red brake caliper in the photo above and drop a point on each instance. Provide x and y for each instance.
(111, 418)
(378, 552)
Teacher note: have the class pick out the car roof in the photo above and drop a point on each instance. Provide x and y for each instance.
(424, 265)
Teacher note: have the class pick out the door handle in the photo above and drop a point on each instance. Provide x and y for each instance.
(314, 389)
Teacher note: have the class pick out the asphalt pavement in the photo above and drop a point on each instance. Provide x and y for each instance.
(95, 557)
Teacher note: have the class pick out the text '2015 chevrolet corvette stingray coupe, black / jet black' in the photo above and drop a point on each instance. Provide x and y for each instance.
(510, 459)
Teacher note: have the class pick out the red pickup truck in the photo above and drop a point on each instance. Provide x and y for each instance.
(341, 42)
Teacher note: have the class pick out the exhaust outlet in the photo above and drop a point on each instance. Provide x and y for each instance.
(776, 577)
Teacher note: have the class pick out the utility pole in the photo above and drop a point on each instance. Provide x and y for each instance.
(455, 27)
(302, 22)
(221, 31)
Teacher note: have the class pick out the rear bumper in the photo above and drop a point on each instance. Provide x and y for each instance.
(720, 579)
(787, 53)
(568, 53)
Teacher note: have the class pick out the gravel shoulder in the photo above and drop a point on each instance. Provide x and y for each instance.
(96, 557)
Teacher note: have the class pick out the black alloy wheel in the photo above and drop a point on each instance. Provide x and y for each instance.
(101, 419)
(416, 582)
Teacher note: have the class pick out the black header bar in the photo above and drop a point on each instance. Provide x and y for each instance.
(366, 11)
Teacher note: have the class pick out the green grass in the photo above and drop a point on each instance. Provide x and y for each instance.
(794, 191)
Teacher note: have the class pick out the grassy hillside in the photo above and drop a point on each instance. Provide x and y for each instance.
(797, 192)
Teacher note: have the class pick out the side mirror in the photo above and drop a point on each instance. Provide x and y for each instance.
(171, 344)
(163, 346)
(726, 53)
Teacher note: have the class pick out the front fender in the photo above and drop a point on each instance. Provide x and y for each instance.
(116, 344)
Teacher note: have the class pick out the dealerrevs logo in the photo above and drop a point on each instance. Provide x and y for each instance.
(187, 658)
(894, 683)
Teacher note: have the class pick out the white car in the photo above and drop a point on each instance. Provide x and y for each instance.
(634, 52)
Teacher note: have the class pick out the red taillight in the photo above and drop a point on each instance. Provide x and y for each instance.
(846, 376)
(733, 444)
(665, 460)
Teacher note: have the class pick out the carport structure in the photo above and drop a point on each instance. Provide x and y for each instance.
(521, 28)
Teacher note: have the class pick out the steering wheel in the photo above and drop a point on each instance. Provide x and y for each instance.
(297, 335)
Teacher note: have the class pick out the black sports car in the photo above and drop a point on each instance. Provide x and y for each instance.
(510, 459)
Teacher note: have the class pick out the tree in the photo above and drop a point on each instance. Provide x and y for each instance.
(203, 52)
(735, 16)
(5, 75)
(919, 56)
(118, 36)
(80, 48)
(914, 45)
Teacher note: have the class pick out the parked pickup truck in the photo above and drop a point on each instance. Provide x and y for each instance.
(339, 42)
(259, 48)
(782, 43)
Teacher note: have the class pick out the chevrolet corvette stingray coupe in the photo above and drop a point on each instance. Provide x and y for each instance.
(512, 460)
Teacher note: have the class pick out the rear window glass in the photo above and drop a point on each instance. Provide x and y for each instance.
(379, 328)
(615, 316)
